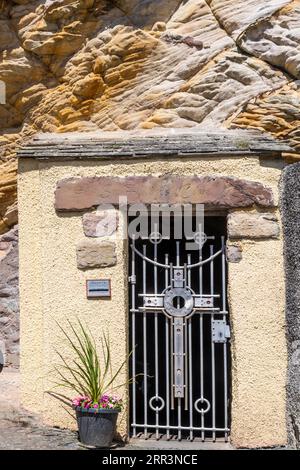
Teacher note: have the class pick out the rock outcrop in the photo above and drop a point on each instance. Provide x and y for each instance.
(84, 65)
(79, 65)
(9, 290)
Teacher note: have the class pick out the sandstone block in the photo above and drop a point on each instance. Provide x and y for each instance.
(216, 192)
(100, 223)
(253, 225)
(234, 253)
(94, 254)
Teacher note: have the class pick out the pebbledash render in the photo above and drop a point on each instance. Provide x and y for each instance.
(222, 363)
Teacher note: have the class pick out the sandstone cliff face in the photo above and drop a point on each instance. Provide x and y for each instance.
(80, 65)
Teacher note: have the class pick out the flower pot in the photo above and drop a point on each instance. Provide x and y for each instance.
(96, 427)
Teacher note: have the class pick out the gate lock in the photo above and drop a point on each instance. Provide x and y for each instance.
(220, 331)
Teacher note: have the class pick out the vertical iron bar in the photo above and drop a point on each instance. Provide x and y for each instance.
(189, 279)
(167, 358)
(225, 344)
(177, 254)
(156, 336)
(179, 418)
(201, 335)
(145, 348)
(190, 358)
(223, 276)
(172, 347)
(213, 372)
(201, 373)
(185, 325)
(200, 268)
(133, 341)
(178, 306)
(191, 379)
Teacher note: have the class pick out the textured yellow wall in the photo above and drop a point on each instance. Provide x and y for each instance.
(256, 299)
(52, 288)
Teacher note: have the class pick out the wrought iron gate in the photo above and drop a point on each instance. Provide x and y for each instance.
(179, 338)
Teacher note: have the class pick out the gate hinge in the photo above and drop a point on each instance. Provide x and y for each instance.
(132, 279)
(220, 331)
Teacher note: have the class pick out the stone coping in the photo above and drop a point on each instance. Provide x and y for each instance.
(154, 144)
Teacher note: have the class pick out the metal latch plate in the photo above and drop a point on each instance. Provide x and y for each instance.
(220, 331)
(152, 301)
(204, 302)
(178, 277)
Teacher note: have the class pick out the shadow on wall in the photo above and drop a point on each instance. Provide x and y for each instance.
(9, 298)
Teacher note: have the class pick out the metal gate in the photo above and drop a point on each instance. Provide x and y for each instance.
(179, 337)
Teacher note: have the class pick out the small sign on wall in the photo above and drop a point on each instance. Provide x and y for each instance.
(98, 288)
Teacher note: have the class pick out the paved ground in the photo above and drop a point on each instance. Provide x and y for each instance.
(19, 430)
(141, 444)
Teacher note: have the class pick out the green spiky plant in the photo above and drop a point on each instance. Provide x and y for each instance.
(85, 374)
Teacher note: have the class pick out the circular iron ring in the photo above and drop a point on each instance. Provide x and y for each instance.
(202, 400)
(155, 238)
(157, 398)
(186, 294)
